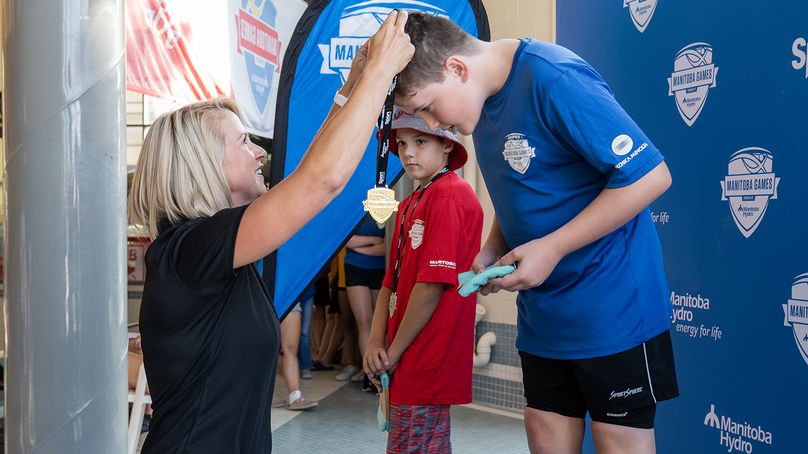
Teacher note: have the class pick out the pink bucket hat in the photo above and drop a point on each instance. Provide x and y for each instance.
(403, 120)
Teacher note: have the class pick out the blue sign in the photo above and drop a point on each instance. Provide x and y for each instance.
(316, 64)
(733, 224)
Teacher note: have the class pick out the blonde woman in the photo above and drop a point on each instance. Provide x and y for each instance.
(209, 329)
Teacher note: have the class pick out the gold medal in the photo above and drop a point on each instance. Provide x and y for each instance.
(392, 305)
(380, 204)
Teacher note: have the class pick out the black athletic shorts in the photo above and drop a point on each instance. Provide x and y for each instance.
(621, 389)
(371, 278)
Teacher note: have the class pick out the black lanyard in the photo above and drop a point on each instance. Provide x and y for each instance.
(385, 125)
(402, 225)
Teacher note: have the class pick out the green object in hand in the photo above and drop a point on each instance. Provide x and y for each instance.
(470, 282)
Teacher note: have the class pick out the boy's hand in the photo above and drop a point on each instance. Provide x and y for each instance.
(487, 257)
(375, 360)
(537, 259)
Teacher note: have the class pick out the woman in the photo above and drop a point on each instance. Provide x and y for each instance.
(209, 329)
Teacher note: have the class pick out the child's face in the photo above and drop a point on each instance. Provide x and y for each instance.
(422, 154)
(451, 104)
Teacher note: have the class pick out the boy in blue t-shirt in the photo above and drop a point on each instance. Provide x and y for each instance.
(570, 176)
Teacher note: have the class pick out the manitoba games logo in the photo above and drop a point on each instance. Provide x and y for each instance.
(694, 74)
(797, 313)
(749, 186)
(518, 152)
(356, 25)
(641, 12)
(258, 42)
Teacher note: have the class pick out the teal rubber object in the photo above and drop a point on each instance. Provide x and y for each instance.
(469, 282)
(383, 422)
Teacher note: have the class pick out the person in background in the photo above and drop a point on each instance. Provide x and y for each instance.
(364, 271)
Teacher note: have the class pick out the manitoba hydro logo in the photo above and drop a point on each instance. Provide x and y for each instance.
(358, 23)
(797, 313)
(641, 12)
(748, 186)
(737, 436)
(694, 74)
(257, 39)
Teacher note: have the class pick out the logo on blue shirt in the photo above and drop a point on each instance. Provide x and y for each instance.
(749, 186)
(641, 12)
(694, 74)
(518, 152)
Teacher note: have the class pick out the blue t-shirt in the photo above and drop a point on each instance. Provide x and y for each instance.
(368, 262)
(547, 144)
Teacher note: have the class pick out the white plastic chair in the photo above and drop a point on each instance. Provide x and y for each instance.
(139, 399)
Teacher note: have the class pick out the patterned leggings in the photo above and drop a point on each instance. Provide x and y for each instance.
(421, 429)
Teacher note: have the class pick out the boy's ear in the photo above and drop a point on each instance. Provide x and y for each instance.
(448, 146)
(456, 66)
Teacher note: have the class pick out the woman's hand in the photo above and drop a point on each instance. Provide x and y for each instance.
(389, 49)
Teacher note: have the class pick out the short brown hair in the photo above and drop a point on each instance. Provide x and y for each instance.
(435, 39)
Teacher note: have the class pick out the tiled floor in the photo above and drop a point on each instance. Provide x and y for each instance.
(345, 422)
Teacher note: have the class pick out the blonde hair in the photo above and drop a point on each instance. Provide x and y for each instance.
(179, 171)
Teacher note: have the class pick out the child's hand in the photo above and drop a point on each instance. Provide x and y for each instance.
(484, 259)
(375, 360)
(537, 259)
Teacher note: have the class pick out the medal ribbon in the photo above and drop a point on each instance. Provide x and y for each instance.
(385, 126)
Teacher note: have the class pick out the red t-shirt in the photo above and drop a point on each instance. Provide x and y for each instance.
(442, 237)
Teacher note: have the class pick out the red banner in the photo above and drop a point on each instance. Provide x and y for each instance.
(257, 37)
(161, 59)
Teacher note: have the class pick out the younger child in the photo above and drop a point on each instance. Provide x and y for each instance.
(423, 330)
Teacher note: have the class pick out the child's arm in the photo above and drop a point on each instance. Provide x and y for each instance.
(493, 249)
(375, 250)
(375, 360)
(423, 301)
(363, 240)
(611, 209)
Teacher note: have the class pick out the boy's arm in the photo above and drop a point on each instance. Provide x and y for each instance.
(375, 359)
(611, 209)
(424, 299)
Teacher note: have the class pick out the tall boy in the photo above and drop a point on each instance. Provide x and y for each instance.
(423, 330)
(571, 176)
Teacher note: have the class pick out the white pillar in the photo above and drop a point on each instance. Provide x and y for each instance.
(65, 226)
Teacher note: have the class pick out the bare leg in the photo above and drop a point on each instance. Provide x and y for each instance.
(361, 300)
(333, 339)
(290, 341)
(317, 331)
(551, 433)
(349, 350)
(611, 438)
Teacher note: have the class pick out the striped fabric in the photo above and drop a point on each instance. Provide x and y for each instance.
(422, 429)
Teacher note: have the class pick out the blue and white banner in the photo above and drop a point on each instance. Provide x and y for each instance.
(316, 63)
(733, 224)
